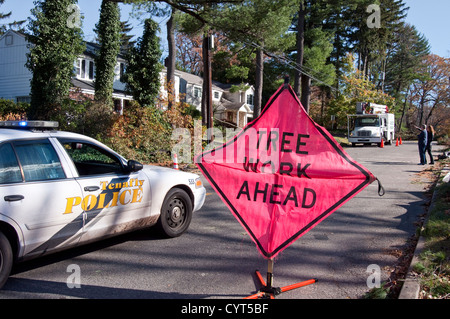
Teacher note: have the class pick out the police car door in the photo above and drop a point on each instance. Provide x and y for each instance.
(114, 200)
(34, 183)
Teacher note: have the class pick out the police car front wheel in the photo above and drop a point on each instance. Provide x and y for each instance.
(176, 213)
(6, 259)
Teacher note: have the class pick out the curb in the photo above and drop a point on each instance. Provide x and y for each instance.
(411, 286)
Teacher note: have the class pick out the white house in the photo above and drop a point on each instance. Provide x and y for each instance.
(235, 109)
(83, 80)
(14, 75)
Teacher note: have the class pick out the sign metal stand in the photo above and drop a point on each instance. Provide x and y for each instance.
(268, 291)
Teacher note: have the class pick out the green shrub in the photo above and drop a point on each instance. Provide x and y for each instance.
(11, 110)
(142, 133)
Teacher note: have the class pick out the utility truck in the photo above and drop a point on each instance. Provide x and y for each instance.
(372, 123)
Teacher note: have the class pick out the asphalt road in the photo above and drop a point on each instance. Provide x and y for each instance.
(217, 259)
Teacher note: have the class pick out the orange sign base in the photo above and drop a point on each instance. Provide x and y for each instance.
(268, 291)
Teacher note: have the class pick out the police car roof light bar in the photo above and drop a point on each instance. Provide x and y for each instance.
(29, 124)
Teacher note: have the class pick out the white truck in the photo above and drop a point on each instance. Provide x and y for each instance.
(371, 124)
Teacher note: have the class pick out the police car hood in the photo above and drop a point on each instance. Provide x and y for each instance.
(153, 170)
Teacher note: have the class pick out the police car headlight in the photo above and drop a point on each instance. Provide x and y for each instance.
(198, 183)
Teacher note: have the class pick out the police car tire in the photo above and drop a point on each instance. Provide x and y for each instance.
(176, 213)
(6, 259)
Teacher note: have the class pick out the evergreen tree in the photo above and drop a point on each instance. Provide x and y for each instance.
(143, 69)
(313, 48)
(261, 24)
(3, 16)
(109, 37)
(16, 25)
(125, 38)
(337, 20)
(55, 46)
(372, 42)
(403, 61)
(232, 62)
(403, 65)
(155, 9)
(316, 62)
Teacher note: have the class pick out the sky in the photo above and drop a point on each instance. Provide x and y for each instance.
(430, 18)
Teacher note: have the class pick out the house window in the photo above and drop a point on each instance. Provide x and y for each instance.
(118, 106)
(23, 99)
(77, 68)
(250, 99)
(91, 70)
(216, 95)
(9, 40)
(197, 92)
(84, 69)
(122, 71)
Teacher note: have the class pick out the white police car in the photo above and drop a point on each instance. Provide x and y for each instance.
(61, 189)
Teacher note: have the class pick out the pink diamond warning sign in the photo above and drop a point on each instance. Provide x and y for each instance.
(282, 174)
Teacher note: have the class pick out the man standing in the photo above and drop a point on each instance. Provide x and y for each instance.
(422, 144)
(430, 136)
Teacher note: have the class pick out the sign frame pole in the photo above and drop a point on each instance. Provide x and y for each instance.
(267, 291)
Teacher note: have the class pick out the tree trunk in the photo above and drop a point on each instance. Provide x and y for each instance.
(258, 82)
(306, 92)
(204, 105)
(337, 45)
(399, 127)
(171, 61)
(430, 113)
(322, 105)
(300, 48)
(421, 109)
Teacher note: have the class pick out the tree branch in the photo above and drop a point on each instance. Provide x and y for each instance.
(185, 6)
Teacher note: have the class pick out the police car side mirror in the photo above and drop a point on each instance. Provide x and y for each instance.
(134, 166)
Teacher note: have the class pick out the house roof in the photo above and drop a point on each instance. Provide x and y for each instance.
(235, 106)
(92, 48)
(198, 80)
(84, 85)
(12, 31)
(230, 105)
(90, 86)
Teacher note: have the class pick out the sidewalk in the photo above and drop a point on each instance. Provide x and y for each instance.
(411, 286)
